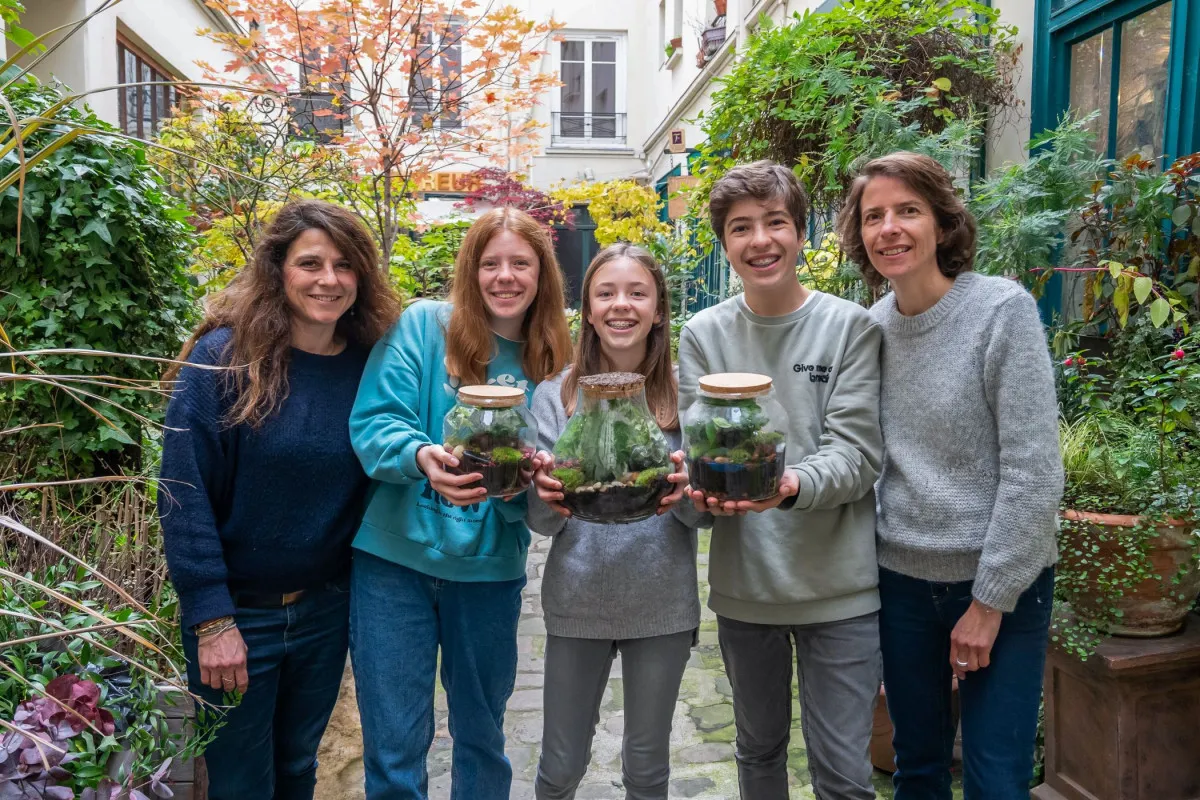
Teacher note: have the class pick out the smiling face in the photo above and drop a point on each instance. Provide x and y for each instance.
(623, 308)
(899, 230)
(508, 280)
(319, 283)
(762, 244)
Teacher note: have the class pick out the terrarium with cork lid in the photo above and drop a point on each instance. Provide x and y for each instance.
(734, 436)
(491, 431)
(612, 458)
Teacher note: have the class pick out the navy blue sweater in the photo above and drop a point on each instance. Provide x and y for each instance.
(267, 509)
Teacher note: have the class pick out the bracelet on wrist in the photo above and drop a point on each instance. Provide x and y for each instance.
(208, 637)
(214, 626)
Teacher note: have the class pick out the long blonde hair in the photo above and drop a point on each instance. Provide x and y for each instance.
(662, 388)
(470, 343)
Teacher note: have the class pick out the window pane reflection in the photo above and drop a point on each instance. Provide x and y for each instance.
(1142, 86)
(1091, 83)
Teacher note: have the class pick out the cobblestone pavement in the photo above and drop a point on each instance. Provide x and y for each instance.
(701, 739)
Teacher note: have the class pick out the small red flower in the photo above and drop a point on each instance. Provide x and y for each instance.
(1178, 354)
(1082, 361)
(1069, 362)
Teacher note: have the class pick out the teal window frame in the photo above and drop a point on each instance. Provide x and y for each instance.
(1062, 23)
(1075, 20)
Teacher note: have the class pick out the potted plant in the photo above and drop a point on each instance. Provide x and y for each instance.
(733, 437)
(491, 432)
(612, 458)
(1130, 535)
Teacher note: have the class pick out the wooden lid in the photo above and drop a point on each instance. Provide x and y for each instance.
(491, 396)
(612, 385)
(735, 384)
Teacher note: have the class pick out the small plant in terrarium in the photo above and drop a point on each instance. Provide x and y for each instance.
(491, 432)
(733, 437)
(612, 459)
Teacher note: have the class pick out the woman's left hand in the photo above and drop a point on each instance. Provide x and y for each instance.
(679, 478)
(972, 639)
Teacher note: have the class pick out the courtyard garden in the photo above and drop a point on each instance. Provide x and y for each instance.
(109, 245)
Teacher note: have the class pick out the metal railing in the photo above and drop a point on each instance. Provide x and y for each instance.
(577, 127)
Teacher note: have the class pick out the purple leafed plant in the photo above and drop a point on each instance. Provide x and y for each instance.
(33, 751)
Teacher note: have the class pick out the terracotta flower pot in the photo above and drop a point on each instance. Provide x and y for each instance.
(721, 6)
(1155, 606)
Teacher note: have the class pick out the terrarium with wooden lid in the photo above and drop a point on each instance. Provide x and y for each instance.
(734, 436)
(612, 458)
(491, 431)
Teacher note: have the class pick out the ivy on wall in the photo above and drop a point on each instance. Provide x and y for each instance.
(101, 266)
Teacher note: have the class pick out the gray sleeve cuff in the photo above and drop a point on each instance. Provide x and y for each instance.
(996, 590)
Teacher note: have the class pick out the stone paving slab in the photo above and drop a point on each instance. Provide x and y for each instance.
(702, 764)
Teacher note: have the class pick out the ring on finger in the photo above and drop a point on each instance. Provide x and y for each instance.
(961, 663)
(227, 680)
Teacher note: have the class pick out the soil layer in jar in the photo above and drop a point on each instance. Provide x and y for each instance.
(724, 480)
(617, 502)
(506, 471)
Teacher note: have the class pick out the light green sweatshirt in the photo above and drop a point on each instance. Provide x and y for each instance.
(815, 561)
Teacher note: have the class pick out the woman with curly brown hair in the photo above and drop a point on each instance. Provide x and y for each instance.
(261, 492)
(970, 485)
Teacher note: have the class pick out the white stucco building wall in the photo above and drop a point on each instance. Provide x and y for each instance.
(669, 93)
(1008, 137)
(572, 158)
(164, 30)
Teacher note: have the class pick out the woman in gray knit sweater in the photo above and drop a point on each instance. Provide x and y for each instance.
(970, 486)
(615, 588)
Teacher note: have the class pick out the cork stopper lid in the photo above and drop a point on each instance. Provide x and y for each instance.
(612, 385)
(735, 384)
(491, 396)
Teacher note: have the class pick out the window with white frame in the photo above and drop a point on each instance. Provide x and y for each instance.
(591, 102)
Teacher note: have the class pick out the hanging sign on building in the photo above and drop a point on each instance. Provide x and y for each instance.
(676, 142)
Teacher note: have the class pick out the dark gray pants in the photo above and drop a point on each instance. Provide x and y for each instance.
(576, 674)
(839, 672)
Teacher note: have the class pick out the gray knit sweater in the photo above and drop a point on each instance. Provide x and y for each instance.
(972, 474)
(613, 581)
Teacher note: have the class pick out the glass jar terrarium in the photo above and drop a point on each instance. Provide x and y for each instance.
(612, 458)
(734, 437)
(492, 432)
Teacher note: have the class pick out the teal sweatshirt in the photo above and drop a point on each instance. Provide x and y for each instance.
(402, 400)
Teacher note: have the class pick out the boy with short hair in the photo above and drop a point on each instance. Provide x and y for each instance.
(801, 566)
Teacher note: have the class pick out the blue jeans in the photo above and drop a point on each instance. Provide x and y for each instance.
(295, 656)
(398, 619)
(999, 704)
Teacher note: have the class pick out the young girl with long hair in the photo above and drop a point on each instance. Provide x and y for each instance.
(261, 491)
(438, 565)
(615, 588)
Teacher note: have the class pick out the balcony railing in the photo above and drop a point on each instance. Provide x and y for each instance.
(577, 127)
(710, 41)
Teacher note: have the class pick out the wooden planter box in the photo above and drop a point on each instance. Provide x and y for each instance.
(187, 779)
(1125, 725)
